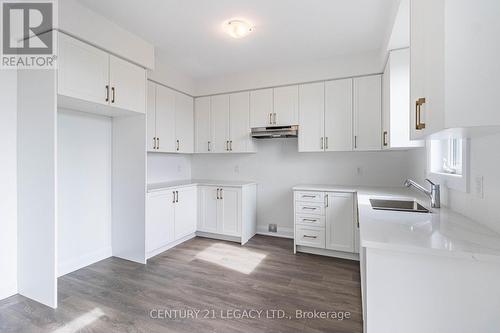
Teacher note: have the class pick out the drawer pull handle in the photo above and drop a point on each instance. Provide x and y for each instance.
(309, 208)
(313, 237)
(309, 220)
(308, 196)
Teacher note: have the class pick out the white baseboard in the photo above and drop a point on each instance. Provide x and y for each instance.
(218, 236)
(328, 253)
(82, 261)
(283, 232)
(7, 291)
(162, 249)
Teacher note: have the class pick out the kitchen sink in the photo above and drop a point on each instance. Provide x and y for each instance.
(398, 205)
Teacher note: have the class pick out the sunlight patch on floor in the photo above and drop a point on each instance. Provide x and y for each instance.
(78, 324)
(235, 258)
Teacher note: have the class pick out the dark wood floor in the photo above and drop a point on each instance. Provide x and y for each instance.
(215, 277)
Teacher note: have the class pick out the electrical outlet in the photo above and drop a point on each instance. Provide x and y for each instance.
(273, 227)
(479, 186)
(236, 169)
(359, 171)
(179, 168)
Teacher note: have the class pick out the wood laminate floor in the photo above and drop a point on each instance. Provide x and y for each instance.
(228, 284)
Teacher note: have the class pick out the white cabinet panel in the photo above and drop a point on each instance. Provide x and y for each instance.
(207, 209)
(128, 85)
(311, 117)
(230, 211)
(310, 236)
(185, 211)
(83, 71)
(220, 122)
(338, 115)
(286, 106)
(184, 123)
(165, 119)
(151, 116)
(159, 220)
(239, 121)
(261, 107)
(340, 222)
(368, 113)
(203, 133)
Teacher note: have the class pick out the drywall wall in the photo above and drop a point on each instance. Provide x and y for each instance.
(330, 68)
(278, 166)
(168, 75)
(484, 162)
(84, 189)
(8, 179)
(168, 167)
(77, 20)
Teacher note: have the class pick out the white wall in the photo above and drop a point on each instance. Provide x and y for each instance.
(8, 179)
(168, 167)
(168, 75)
(84, 189)
(278, 166)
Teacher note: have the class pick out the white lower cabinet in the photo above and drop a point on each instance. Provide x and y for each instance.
(170, 216)
(325, 223)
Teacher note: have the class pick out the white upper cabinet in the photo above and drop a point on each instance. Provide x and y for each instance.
(286, 106)
(184, 123)
(311, 116)
(367, 113)
(454, 67)
(83, 71)
(88, 74)
(338, 115)
(239, 122)
(220, 123)
(396, 102)
(261, 108)
(165, 119)
(202, 123)
(151, 116)
(128, 85)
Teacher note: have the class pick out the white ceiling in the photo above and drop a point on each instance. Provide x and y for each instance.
(188, 33)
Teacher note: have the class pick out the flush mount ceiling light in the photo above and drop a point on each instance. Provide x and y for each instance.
(238, 28)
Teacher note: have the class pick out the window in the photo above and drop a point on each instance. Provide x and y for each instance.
(447, 162)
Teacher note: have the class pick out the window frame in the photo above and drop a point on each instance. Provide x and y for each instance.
(459, 182)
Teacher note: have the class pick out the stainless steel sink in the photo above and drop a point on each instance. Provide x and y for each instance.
(398, 205)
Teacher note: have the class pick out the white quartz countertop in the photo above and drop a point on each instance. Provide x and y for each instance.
(441, 232)
(190, 182)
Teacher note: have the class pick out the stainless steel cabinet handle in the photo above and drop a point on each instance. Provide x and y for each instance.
(309, 208)
(107, 93)
(177, 145)
(313, 237)
(321, 144)
(385, 139)
(308, 196)
(113, 94)
(176, 196)
(217, 194)
(157, 143)
(355, 141)
(221, 194)
(231, 145)
(326, 200)
(326, 142)
(154, 143)
(274, 122)
(173, 196)
(208, 146)
(270, 119)
(309, 220)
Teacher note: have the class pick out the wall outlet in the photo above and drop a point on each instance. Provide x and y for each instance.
(179, 168)
(359, 171)
(236, 169)
(478, 186)
(273, 227)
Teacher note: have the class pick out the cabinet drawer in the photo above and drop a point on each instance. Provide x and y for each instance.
(307, 196)
(310, 220)
(310, 208)
(310, 236)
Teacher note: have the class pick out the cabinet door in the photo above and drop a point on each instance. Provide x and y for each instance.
(207, 209)
(311, 117)
(230, 211)
(165, 119)
(338, 115)
(220, 122)
(286, 106)
(368, 113)
(202, 124)
(83, 71)
(151, 116)
(239, 121)
(261, 107)
(184, 123)
(159, 219)
(185, 211)
(340, 222)
(386, 105)
(128, 85)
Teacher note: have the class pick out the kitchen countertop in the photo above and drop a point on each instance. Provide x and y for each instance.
(442, 232)
(190, 182)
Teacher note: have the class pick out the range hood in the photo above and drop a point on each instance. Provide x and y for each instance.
(275, 132)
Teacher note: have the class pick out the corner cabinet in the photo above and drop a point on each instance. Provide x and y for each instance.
(454, 69)
(326, 223)
(170, 218)
(170, 120)
(227, 213)
(87, 74)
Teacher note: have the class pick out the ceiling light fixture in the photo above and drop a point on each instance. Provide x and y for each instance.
(238, 28)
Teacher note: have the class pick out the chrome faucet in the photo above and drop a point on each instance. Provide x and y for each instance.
(434, 193)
